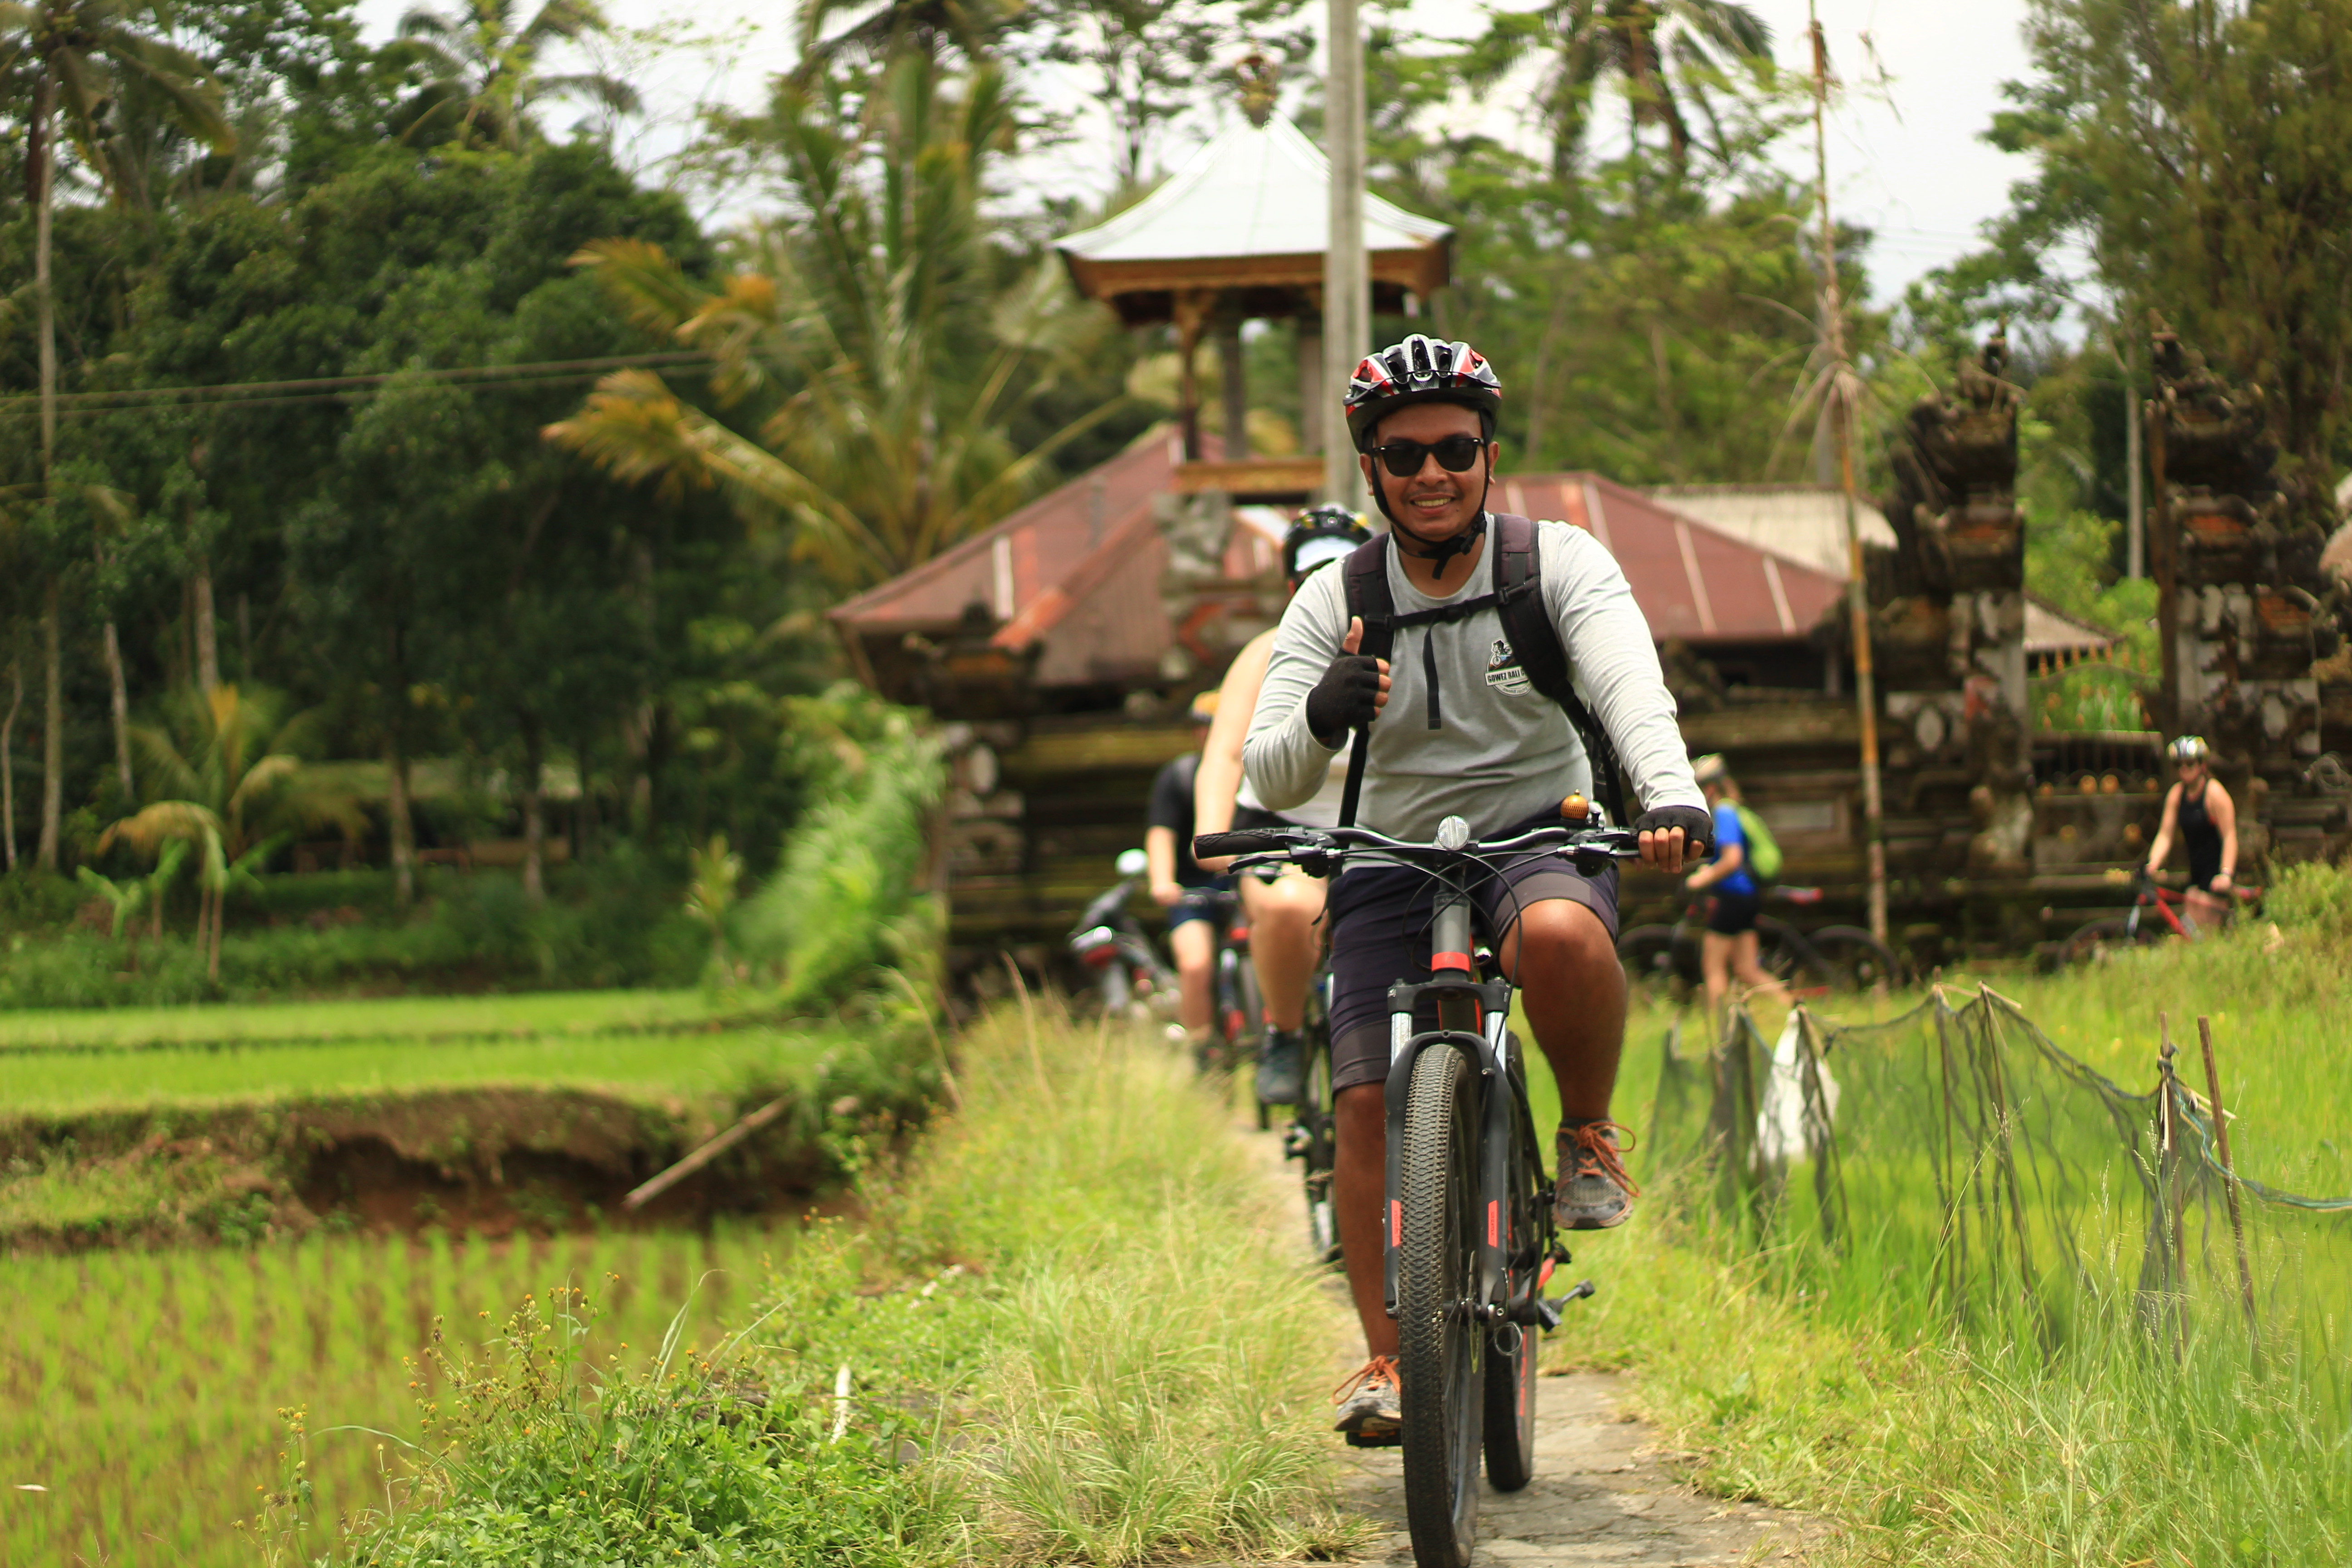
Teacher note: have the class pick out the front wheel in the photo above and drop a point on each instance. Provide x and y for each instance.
(2102, 936)
(1856, 960)
(1510, 1384)
(1440, 1358)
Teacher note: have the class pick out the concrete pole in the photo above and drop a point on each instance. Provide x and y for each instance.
(1347, 282)
(1233, 373)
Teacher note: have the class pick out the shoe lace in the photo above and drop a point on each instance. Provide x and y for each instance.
(1596, 1152)
(1379, 1369)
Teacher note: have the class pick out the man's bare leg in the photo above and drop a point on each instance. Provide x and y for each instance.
(1358, 1188)
(1283, 943)
(1193, 946)
(1572, 991)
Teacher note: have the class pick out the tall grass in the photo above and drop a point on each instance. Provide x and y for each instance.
(2093, 1416)
(1068, 1331)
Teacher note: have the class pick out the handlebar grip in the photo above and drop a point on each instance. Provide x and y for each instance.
(1211, 846)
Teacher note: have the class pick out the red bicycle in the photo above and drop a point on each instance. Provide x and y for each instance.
(2157, 914)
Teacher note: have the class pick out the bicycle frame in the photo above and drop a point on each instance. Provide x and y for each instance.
(1474, 1017)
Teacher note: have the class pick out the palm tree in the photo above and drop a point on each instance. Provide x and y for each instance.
(887, 366)
(230, 766)
(1670, 55)
(483, 72)
(82, 55)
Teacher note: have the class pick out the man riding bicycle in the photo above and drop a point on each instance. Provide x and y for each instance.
(1472, 736)
(1284, 911)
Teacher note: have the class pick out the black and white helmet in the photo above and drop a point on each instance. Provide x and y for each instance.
(1319, 537)
(1421, 370)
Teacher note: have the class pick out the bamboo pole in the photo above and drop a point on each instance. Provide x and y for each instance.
(2176, 1218)
(1857, 592)
(703, 1156)
(2229, 1170)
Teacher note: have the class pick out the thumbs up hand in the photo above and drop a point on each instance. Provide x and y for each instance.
(1352, 692)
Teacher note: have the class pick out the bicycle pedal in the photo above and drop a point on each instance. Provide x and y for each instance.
(1375, 1439)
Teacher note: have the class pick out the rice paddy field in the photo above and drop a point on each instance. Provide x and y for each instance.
(141, 1386)
(139, 1391)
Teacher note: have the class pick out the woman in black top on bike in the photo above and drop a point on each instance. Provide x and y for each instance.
(2199, 813)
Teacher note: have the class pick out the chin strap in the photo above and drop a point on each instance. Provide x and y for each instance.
(1444, 549)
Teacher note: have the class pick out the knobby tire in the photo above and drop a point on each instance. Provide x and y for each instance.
(1440, 1359)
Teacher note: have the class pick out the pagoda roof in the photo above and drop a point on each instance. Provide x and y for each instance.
(1250, 212)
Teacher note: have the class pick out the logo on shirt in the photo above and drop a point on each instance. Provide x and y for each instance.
(1503, 671)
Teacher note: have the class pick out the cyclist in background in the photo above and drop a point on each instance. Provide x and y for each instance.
(1284, 911)
(1179, 885)
(2199, 813)
(1729, 948)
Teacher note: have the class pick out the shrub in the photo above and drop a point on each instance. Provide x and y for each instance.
(2314, 897)
(845, 900)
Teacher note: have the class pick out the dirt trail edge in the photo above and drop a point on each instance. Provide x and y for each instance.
(1604, 1493)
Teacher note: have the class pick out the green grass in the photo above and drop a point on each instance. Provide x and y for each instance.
(563, 1011)
(1074, 1306)
(2054, 1424)
(50, 1084)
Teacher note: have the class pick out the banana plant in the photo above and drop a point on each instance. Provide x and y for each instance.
(133, 896)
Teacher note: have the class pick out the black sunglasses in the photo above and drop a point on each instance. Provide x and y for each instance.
(1404, 458)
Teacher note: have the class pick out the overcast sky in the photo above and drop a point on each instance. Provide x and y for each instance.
(1905, 155)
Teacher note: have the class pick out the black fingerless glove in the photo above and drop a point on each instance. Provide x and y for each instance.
(1698, 825)
(1347, 696)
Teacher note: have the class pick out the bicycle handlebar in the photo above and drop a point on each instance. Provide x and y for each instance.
(1319, 844)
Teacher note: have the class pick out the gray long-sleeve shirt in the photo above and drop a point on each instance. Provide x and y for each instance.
(1504, 752)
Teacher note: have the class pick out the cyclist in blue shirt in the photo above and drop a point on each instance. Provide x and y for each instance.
(1729, 947)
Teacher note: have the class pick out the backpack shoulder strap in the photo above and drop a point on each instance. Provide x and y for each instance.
(1368, 595)
(1527, 622)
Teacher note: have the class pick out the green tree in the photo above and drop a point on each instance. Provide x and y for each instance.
(1674, 60)
(870, 344)
(80, 56)
(482, 61)
(2195, 151)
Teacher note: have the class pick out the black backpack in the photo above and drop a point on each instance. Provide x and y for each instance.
(1518, 600)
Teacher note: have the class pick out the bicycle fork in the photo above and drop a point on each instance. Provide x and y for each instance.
(1473, 1017)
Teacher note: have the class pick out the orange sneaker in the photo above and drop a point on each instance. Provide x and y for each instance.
(1593, 1192)
(1368, 1402)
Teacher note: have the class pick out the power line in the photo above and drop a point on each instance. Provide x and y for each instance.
(267, 393)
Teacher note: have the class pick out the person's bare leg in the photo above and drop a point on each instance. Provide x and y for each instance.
(1193, 947)
(1750, 967)
(1283, 943)
(1358, 1188)
(1572, 991)
(1714, 962)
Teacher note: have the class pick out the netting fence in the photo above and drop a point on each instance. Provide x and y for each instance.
(1953, 1166)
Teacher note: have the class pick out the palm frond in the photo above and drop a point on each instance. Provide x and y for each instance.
(153, 826)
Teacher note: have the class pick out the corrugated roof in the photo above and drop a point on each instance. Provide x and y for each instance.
(1079, 570)
(1805, 522)
(1692, 581)
(1251, 197)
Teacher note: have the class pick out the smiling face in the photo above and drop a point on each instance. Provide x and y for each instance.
(1434, 504)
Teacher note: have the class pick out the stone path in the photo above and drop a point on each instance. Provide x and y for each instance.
(1604, 1493)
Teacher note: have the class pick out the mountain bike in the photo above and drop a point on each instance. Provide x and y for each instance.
(1834, 958)
(1471, 1242)
(1313, 1136)
(1111, 942)
(2157, 914)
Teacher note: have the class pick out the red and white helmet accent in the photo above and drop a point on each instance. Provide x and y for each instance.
(1421, 370)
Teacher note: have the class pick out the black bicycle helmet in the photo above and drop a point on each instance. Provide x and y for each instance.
(2189, 749)
(1319, 536)
(1422, 370)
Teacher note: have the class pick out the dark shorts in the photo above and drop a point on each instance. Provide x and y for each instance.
(1380, 934)
(1733, 914)
(1198, 904)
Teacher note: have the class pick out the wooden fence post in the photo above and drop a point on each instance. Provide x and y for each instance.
(2229, 1176)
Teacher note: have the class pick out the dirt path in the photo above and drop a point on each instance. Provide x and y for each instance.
(1604, 1493)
